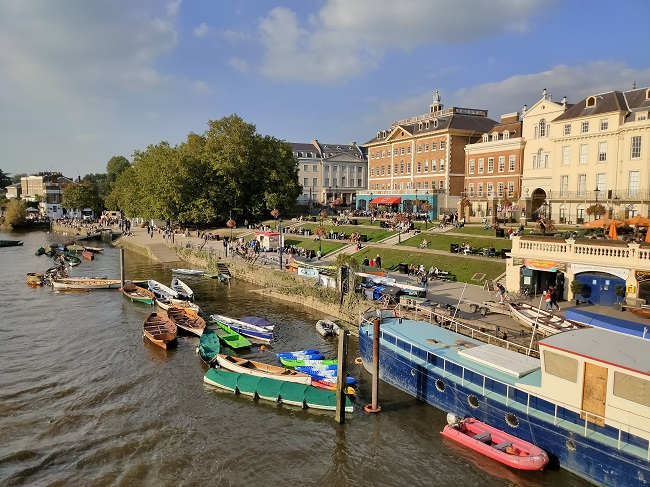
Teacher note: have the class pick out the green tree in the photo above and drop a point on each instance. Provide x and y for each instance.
(5, 179)
(100, 181)
(17, 177)
(116, 166)
(82, 195)
(16, 212)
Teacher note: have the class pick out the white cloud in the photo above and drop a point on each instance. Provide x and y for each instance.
(239, 64)
(202, 31)
(344, 39)
(236, 36)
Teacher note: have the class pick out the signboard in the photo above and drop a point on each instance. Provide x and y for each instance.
(642, 276)
(304, 271)
(579, 268)
(541, 264)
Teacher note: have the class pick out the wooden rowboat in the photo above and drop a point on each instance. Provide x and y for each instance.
(496, 444)
(93, 249)
(545, 322)
(209, 346)
(137, 294)
(160, 330)
(166, 303)
(259, 369)
(34, 279)
(85, 283)
(160, 290)
(186, 319)
(182, 289)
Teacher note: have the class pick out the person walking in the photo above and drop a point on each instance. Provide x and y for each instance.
(547, 300)
(378, 262)
(502, 291)
(553, 291)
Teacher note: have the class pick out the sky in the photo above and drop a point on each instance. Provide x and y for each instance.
(82, 81)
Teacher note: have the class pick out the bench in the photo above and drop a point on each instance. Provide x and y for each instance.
(502, 446)
(484, 437)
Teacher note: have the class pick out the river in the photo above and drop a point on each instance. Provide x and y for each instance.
(84, 400)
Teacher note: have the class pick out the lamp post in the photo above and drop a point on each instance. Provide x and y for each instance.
(596, 193)
(372, 213)
(280, 240)
(230, 224)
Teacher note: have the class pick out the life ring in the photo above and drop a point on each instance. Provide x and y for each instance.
(358, 361)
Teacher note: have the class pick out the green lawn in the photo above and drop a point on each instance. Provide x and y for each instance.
(459, 266)
(374, 234)
(442, 241)
(309, 243)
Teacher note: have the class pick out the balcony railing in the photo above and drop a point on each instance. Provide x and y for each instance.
(421, 192)
(603, 196)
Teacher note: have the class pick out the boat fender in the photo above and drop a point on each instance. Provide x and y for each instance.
(358, 361)
(262, 348)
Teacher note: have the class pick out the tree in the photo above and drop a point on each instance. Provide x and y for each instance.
(100, 181)
(5, 179)
(15, 179)
(82, 195)
(116, 166)
(16, 212)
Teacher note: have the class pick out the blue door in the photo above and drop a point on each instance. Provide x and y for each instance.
(599, 287)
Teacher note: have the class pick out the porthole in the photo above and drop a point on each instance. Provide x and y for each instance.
(512, 420)
(440, 385)
(413, 372)
(472, 400)
(570, 444)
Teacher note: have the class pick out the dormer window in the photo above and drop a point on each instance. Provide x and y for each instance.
(591, 101)
(506, 135)
(647, 94)
(427, 125)
(420, 126)
(495, 136)
(486, 137)
(384, 134)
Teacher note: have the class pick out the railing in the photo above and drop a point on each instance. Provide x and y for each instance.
(421, 194)
(616, 197)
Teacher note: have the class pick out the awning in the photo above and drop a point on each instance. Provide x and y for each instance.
(387, 200)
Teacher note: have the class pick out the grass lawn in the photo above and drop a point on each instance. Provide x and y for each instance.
(308, 243)
(374, 234)
(441, 241)
(456, 265)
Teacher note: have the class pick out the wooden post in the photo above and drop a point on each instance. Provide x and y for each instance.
(374, 407)
(342, 373)
(122, 266)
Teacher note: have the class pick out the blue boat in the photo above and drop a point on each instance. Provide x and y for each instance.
(585, 400)
(251, 331)
(301, 355)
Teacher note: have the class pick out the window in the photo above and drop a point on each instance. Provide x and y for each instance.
(395, 169)
(584, 128)
(408, 168)
(500, 187)
(480, 189)
(426, 147)
(327, 182)
(383, 170)
(372, 155)
(396, 152)
(564, 185)
(566, 155)
(327, 169)
(419, 167)
(383, 153)
(506, 135)
(442, 144)
(426, 183)
(358, 183)
(314, 182)
(442, 165)
(434, 165)
(335, 168)
(401, 151)
(542, 128)
(401, 167)
(511, 164)
(441, 184)
(426, 166)
(434, 145)
(495, 136)
(471, 166)
(481, 164)
(582, 184)
(388, 169)
(567, 129)
(490, 164)
(490, 189)
(635, 389)
(502, 163)
(511, 188)
(486, 137)
(305, 168)
(641, 116)
(635, 151)
(600, 182)
(561, 366)
(583, 153)
(604, 124)
(408, 149)
(602, 151)
(419, 148)
(633, 183)
(471, 189)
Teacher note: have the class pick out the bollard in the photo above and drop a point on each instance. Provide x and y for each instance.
(374, 407)
(342, 371)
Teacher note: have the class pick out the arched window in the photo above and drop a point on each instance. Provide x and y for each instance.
(542, 128)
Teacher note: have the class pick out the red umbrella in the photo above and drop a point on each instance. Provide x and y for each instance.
(612, 231)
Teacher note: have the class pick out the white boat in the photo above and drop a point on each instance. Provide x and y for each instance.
(161, 291)
(327, 328)
(545, 322)
(85, 283)
(182, 289)
(189, 272)
(259, 369)
(166, 303)
(246, 328)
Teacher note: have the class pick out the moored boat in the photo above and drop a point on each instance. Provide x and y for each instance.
(166, 303)
(34, 279)
(189, 272)
(308, 354)
(85, 283)
(231, 338)
(246, 329)
(182, 289)
(160, 290)
(260, 369)
(327, 328)
(10, 243)
(209, 346)
(88, 255)
(544, 321)
(186, 319)
(93, 249)
(160, 330)
(496, 444)
(137, 294)
(289, 362)
(576, 401)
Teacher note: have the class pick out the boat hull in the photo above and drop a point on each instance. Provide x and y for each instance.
(259, 369)
(73, 283)
(566, 445)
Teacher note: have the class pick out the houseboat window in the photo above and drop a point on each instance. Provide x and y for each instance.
(403, 345)
(561, 366)
(632, 388)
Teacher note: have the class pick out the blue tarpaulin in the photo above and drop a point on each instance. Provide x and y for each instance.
(608, 322)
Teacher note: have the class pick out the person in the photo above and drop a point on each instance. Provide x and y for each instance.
(547, 300)
(491, 251)
(366, 262)
(378, 262)
(502, 291)
(554, 297)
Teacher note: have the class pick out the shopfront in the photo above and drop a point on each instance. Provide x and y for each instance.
(537, 275)
(599, 283)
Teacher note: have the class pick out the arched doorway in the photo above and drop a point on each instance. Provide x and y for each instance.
(538, 198)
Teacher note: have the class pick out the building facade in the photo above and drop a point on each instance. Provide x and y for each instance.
(330, 174)
(425, 154)
(47, 189)
(493, 172)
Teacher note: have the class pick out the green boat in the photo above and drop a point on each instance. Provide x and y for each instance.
(296, 362)
(230, 337)
(209, 346)
(275, 390)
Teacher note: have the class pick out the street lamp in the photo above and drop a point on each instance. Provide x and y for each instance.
(230, 224)
(596, 193)
(280, 240)
(426, 217)
(370, 209)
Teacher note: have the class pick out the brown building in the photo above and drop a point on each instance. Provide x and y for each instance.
(426, 153)
(493, 172)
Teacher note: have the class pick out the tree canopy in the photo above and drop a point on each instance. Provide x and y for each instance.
(15, 212)
(5, 179)
(82, 195)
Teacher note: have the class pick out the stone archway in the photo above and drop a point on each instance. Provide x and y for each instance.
(538, 198)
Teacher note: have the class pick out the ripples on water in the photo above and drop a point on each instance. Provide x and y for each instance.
(84, 400)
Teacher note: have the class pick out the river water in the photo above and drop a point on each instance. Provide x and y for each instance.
(84, 400)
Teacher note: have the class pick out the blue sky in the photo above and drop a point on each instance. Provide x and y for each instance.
(84, 80)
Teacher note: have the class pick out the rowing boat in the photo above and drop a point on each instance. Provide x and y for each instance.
(94, 249)
(209, 346)
(187, 320)
(246, 329)
(189, 272)
(137, 294)
(85, 283)
(166, 303)
(34, 279)
(160, 290)
(327, 328)
(287, 362)
(544, 321)
(260, 369)
(231, 338)
(88, 255)
(160, 330)
(182, 289)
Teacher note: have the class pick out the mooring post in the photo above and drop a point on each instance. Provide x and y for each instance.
(342, 382)
(374, 407)
(122, 266)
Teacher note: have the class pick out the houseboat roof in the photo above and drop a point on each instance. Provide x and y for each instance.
(625, 351)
